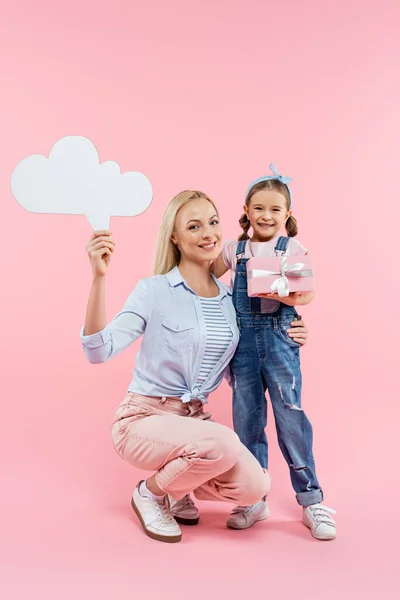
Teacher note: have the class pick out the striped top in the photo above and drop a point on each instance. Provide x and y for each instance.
(219, 336)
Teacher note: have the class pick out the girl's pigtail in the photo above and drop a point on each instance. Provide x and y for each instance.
(291, 226)
(245, 225)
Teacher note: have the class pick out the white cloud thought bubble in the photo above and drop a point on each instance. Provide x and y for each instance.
(73, 182)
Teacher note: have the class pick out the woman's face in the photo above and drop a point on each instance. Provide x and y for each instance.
(197, 231)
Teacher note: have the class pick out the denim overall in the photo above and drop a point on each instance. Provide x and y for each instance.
(268, 359)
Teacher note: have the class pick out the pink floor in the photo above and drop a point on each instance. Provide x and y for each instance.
(66, 535)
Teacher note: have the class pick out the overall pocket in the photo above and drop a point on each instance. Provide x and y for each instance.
(242, 300)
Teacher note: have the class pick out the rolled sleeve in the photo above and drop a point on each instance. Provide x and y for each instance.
(97, 346)
(96, 339)
(124, 329)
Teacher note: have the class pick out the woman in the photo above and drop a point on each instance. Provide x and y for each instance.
(189, 333)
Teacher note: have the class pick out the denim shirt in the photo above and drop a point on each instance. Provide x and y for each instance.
(166, 311)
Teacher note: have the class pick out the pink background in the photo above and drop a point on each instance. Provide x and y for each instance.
(200, 95)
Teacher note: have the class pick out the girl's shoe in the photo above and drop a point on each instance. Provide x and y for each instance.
(317, 518)
(156, 518)
(184, 511)
(243, 517)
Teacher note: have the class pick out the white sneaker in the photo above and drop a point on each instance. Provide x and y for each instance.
(243, 517)
(316, 517)
(155, 517)
(184, 511)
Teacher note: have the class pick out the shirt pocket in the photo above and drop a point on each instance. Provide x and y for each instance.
(178, 335)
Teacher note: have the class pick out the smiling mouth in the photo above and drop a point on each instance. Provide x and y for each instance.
(265, 225)
(208, 247)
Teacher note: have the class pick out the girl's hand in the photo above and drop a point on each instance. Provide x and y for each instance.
(298, 332)
(294, 298)
(99, 248)
(291, 300)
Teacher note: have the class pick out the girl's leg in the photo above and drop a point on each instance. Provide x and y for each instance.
(284, 381)
(249, 418)
(249, 404)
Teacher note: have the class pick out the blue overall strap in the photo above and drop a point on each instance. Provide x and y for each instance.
(241, 247)
(282, 244)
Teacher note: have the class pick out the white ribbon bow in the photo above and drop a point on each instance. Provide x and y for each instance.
(281, 285)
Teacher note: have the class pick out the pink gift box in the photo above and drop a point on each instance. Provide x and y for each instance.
(285, 274)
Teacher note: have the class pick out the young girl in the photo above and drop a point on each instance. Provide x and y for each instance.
(267, 358)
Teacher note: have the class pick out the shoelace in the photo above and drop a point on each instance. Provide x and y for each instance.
(164, 511)
(320, 513)
(246, 509)
(242, 509)
(185, 502)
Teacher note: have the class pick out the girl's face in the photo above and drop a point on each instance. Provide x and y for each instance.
(267, 213)
(197, 231)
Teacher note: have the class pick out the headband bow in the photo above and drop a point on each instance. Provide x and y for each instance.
(282, 178)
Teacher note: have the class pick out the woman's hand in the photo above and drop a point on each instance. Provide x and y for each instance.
(298, 332)
(99, 249)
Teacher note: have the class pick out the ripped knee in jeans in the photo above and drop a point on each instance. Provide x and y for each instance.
(286, 392)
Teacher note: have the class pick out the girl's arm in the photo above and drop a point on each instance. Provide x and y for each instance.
(218, 267)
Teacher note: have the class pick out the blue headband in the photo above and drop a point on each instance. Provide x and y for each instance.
(276, 176)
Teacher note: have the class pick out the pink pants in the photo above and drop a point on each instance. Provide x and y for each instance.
(187, 450)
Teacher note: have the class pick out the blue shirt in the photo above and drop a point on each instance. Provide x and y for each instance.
(167, 312)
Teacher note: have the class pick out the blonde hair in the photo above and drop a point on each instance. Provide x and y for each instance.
(167, 255)
(269, 184)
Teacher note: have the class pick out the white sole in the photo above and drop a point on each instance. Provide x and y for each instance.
(169, 539)
(262, 517)
(322, 538)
